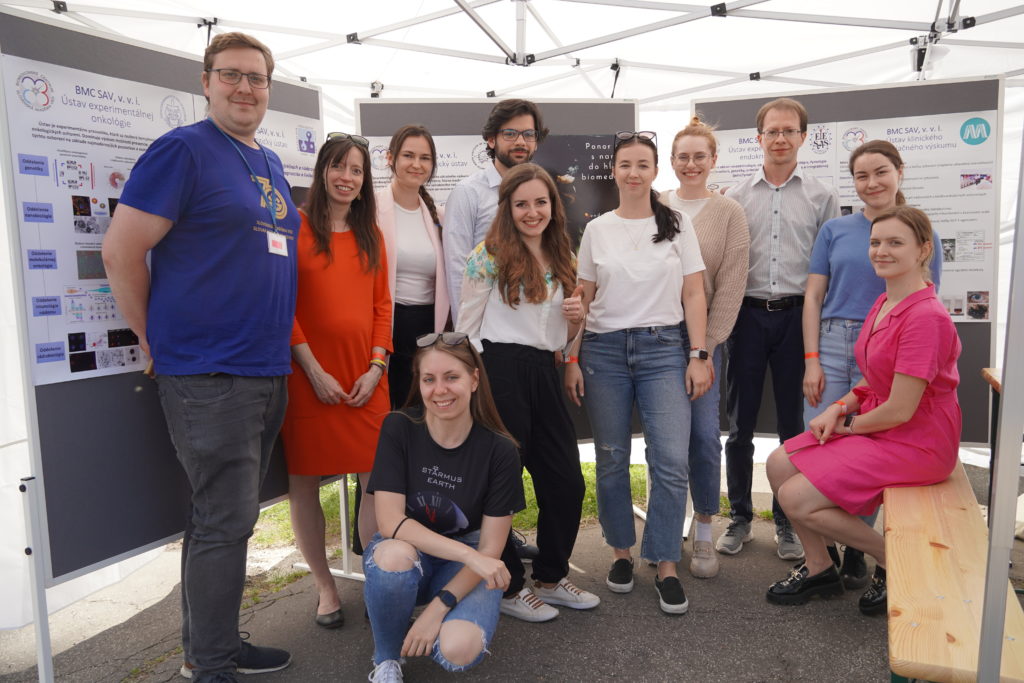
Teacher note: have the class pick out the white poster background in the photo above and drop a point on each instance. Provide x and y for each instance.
(75, 137)
(949, 173)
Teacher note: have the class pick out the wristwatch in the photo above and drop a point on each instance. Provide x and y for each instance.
(848, 422)
(447, 598)
(697, 352)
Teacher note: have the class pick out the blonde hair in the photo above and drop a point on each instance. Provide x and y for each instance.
(700, 129)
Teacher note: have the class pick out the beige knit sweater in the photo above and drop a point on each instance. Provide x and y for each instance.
(724, 239)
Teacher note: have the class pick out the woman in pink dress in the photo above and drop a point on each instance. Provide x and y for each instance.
(899, 426)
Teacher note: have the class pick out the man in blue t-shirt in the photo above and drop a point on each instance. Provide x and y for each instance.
(215, 314)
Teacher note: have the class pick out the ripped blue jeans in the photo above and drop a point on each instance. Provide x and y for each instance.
(391, 596)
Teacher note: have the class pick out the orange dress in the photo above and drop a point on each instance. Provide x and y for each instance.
(341, 312)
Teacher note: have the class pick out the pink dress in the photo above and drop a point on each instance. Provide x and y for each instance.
(916, 338)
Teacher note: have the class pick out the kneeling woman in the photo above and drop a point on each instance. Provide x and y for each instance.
(899, 426)
(446, 483)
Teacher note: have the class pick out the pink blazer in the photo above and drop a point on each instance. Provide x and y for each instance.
(386, 223)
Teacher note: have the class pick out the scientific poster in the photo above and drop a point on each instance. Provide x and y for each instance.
(75, 137)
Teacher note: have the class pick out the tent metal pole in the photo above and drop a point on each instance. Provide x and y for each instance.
(918, 26)
(485, 27)
(551, 34)
(522, 86)
(696, 88)
(520, 57)
(983, 43)
(37, 572)
(1005, 469)
(645, 4)
(1001, 14)
(833, 58)
(429, 49)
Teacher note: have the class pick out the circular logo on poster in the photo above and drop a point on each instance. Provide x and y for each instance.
(379, 158)
(172, 112)
(854, 138)
(34, 90)
(479, 156)
(975, 131)
(819, 138)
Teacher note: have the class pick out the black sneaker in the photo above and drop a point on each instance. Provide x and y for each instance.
(526, 551)
(252, 660)
(620, 577)
(854, 572)
(671, 595)
(875, 599)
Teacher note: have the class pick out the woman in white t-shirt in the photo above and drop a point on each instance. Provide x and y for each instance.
(513, 289)
(641, 269)
(411, 226)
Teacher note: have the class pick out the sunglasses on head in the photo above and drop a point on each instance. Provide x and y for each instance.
(358, 139)
(627, 135)
(448, 338)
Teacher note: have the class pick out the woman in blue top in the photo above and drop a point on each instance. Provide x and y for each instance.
(841, 288)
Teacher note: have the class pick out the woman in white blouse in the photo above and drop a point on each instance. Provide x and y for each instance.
(640, 267)
(513, 291)
(411, 226)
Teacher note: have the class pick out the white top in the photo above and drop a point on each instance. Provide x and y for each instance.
(688, 207)
(414, 284)
(483, 314)
(639, 283)
(783, 221)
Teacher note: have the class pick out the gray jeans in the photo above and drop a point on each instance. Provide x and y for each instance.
(223, 428)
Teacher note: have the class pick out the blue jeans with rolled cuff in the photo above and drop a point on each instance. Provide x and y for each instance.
(391, 597)
(645, 366)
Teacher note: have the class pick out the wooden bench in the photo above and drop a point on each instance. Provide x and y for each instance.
(936, 545)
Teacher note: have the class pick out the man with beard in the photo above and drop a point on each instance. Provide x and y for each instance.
(513, 131)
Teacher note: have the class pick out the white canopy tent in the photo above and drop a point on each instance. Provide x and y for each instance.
(661, 54)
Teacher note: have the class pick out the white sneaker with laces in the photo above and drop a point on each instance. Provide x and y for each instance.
(525, 605)
(566, 594)
(388, 671)
(703, 562)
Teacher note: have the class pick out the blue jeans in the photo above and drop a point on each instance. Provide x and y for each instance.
(391, 596)
(223, 428)
(646, 366)
(706, 441)
(835, 347)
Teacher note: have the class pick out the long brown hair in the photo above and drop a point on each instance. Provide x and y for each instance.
(920, 227)
(516, 266)
(887, 150)
(415, 130)
(481, 404)
(362, 214)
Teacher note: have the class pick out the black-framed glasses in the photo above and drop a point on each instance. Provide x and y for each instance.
(700, 158)
(627, 135)
(358, 139)
(449, 338)
(789, 134)
(511, 134)
(234, 77)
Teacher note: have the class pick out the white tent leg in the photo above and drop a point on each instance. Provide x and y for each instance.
(37, 571)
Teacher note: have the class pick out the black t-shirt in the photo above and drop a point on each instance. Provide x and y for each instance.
(447, 490)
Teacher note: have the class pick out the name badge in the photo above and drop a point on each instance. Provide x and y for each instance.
(277, 243)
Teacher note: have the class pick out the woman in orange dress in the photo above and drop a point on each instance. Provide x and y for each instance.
(338, 391)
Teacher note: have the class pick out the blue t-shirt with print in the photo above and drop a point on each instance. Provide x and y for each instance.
(220, 301)
(841, 254)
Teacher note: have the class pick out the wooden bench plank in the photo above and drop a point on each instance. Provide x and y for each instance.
(936, 545)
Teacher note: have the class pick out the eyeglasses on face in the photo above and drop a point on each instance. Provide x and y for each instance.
(627, 135)
(358, 139)
(234, 77)
(511, 134)
(700, 158)
(448, 338)
(789, 133)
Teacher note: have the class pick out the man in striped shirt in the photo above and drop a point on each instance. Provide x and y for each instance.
(785, 208)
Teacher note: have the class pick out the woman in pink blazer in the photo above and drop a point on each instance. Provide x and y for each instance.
(411, 226)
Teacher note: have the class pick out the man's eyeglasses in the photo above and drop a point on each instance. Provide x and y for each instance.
(449, 338)
(627, 135)
(789, 133)
(511, 134)
(700, 158)
(358, 139)
(234, 77)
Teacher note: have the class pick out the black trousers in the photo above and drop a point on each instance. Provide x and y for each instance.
(760, 339)
(409, 322)
(528, 394)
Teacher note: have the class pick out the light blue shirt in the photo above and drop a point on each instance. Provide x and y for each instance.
(783, 222)
(468, 215)
(841, 254)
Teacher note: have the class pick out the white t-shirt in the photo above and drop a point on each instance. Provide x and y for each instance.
(639, 283)
(687, 207)
(416, 268)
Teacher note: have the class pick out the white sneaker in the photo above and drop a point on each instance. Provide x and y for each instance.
(527, 606)
(388, 671)
(703, 561)
(567, 594)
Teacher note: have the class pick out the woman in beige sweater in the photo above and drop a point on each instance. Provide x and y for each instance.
(721, 228)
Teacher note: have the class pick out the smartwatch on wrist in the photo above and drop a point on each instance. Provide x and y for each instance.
(697, 352)
(447, 598)
(848, 422)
